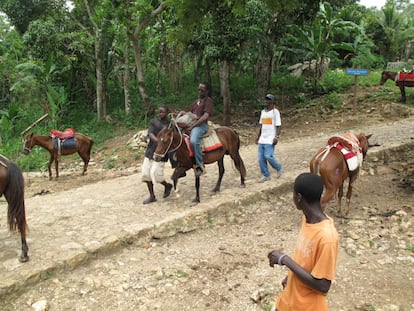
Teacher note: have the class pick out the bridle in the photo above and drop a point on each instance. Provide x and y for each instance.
(27, 149)
(172, 124)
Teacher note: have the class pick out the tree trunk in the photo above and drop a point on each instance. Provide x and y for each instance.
(137, 53)
(127, 98)
(225, 91)
(99, 89)
(149, 109)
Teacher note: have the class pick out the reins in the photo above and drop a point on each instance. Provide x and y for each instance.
(172, 124)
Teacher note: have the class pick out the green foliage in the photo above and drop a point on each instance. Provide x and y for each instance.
(336, 81)
(332, 100)
(36, 160)
(294, 89)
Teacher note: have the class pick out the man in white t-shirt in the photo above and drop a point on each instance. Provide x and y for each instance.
(267, 138)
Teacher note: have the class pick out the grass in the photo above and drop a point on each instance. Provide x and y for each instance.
(410, 248)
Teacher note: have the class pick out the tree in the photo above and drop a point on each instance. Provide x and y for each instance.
(218, 36)
(22, 12)
(141, 23)
(392, 30)
(315, 42)
(97, 27)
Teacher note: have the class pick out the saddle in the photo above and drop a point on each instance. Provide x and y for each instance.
(68, 133)
(209, 142)
(349, 146)
(405, 76)
(63, 140)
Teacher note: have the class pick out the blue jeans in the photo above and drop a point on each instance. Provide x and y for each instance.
(195, 139)
(265, 155)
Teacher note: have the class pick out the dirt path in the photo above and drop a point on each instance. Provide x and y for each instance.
(221, 267)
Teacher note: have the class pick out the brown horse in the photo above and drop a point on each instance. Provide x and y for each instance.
(83, 148)
(171, 139)
(12, 186)
(385, 75)
(330, 164)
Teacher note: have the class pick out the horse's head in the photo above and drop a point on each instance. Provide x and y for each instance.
(164, 141)
(28, 144)
(385, 75)
(383, 78)
(363, 142)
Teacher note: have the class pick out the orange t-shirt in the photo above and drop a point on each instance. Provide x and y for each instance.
(316, 251)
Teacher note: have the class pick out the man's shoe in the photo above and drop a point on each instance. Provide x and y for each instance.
(167, 190)
(279, 173)
(264, 178)
(149, 200)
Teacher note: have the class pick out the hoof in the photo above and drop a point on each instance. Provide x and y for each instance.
(24, 258)
(242, 186)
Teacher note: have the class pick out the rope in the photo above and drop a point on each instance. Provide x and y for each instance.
(173, 124)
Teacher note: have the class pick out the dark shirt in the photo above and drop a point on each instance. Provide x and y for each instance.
(200, 106)
(155, 126)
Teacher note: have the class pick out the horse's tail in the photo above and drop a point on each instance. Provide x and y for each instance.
(90, 145)
(318, 159)
(90, 141)
(14, 194)
(237, 158)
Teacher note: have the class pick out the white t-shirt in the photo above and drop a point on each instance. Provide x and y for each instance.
(269, 120)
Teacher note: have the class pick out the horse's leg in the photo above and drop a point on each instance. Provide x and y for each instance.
(49, 167)
(220, 164)
(352, 177)
(197, 186)
(85, 158)
(339, 199)
(57, 166)
(25, 249)
(403, 97)
(238, 162)
(328, 195)
(331, 182)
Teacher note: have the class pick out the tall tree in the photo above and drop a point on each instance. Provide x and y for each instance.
(137, 16)
(219, 34)
(97, 25)
(22, 12)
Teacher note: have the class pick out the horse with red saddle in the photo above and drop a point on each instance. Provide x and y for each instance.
(401, 79)
(340, 160)
(221, 141)
(61, 143)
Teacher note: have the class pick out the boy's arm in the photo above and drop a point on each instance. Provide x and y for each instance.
(322, 285)
(277, 257)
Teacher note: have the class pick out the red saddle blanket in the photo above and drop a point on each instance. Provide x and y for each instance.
(68, 133)
(350, 148)
(208, 143)
(406, 76)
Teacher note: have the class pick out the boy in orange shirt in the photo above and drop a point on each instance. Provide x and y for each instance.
(312, 268)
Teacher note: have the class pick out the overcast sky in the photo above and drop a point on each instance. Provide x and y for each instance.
(370, 3)
(378, 3)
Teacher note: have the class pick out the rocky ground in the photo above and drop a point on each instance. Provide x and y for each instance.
(224, 266)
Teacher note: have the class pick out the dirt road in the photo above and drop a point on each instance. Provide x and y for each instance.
(96, 246)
